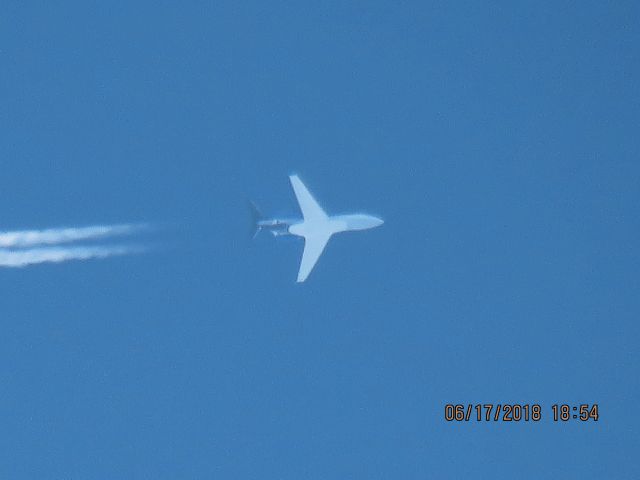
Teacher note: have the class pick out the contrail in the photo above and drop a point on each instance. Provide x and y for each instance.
(55, 236)
(21, 248)
(31, 256)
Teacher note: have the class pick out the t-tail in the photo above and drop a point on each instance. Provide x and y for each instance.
(256, 218)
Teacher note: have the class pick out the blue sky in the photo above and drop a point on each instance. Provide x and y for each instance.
(499, 141)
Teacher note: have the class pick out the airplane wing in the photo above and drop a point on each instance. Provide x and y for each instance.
(313, 247)
(308, 205)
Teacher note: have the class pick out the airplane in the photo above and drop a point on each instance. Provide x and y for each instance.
(316, 227)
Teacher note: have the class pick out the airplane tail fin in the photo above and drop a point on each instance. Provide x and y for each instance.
(256, 216)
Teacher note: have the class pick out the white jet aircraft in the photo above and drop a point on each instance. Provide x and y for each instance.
(316, 227)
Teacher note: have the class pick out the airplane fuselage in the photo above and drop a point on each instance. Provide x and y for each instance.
(334, 224)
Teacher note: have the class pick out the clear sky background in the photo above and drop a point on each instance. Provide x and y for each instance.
(499, 141)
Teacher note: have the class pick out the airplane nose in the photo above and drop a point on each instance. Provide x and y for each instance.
(378, 221)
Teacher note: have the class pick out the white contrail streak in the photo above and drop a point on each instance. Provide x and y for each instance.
(54, 236)
(31, 256)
